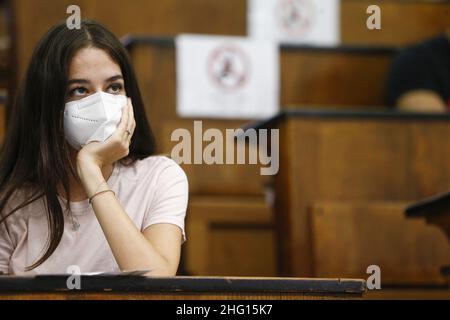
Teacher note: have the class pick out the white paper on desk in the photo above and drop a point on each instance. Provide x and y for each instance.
(99, 273)
(311, 22)
(118, 273)
(226, 77)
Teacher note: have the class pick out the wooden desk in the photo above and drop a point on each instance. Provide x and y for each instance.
(177, 288)
(347, 158)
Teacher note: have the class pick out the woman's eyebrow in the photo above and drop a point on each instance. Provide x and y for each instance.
(77, 81)
(110, 79)
(114, 78)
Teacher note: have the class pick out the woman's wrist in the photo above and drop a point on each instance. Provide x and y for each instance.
(91, 176)
(86, 159)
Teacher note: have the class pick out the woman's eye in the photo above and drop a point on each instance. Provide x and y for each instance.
(115, 88)
(80, 91)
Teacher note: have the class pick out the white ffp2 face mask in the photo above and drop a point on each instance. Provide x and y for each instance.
(94, 118)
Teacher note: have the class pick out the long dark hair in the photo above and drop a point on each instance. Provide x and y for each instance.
(35, 156)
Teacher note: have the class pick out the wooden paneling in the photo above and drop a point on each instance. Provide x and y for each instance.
(315, 77)
(403, 22)
(8, 66)
(171, 17)
(229, 236)
(432, 153)
(2, 122)
(349, 237)
(345, 159)
(408, 293)
(168, 17)
(5, 40)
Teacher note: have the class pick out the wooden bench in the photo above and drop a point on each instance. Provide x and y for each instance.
(335, 170)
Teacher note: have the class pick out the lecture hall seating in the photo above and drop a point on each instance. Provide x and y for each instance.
(349, 76)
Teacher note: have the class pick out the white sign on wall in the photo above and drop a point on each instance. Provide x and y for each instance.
(312, 22)
(226, 77)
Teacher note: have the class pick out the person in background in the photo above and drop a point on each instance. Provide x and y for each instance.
(419, 78)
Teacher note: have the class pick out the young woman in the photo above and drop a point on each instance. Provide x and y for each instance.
(78, 183)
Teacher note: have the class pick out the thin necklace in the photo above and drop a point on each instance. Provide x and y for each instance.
(75, 222)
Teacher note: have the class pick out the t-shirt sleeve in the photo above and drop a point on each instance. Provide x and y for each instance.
(170, 199)
(6, 249)
(412, 69)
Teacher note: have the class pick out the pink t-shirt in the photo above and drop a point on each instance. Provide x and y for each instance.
(152, 190)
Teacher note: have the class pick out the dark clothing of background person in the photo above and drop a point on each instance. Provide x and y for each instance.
(425, 66)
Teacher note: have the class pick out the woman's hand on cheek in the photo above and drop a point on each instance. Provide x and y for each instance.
(115, 147)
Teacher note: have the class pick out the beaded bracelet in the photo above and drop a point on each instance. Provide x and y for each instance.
(100, 192)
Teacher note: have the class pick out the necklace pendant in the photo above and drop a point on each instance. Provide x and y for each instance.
(75, 225)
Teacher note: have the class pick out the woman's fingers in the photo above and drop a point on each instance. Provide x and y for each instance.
(118, 145)
(123, 125)
(132, 121)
